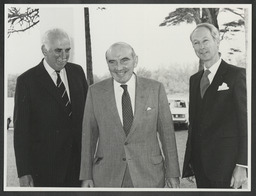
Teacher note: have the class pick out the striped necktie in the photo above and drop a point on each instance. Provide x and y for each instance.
(126, 110)
(64, 95)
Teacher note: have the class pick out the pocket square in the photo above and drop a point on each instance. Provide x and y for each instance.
(223, 87)
(149, 108)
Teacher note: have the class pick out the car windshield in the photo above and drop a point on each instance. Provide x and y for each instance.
(178, 104)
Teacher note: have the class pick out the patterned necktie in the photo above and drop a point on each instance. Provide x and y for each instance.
(64, 95)
(127, 110)
(205, 82)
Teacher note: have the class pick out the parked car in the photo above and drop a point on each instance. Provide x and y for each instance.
(179, 110)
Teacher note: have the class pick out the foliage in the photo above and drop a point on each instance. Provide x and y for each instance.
(187, 15)
(100, 78)
(190, 15)
(210, 15)
(175, 77)
(11, 84)
(144, 72)
(21, 21)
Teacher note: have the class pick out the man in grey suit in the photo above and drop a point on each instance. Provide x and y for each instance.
(125, 115)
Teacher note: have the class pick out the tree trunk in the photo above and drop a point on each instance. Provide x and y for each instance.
(88, 46)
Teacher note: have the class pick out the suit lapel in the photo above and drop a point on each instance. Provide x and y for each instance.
(141, 96)
(72, 86)
(110, 101)
(46, 82)
(195, 85)
(217, 81)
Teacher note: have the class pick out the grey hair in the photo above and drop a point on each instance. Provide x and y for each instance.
(123, 44)
(53, 34)
(213, 30)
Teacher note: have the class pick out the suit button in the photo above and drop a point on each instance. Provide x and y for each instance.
(125, 143)
(124, 159)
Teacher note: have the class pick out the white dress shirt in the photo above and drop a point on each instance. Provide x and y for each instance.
(131, 85)
(213, 69)
(52, 73)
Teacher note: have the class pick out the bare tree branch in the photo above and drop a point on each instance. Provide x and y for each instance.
(234, 12)
(10, 31)
(22, 21)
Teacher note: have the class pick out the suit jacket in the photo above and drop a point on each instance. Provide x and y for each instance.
(223, 123)
(106, 161)
(45, 138)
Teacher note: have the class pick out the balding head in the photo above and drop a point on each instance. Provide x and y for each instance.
(120, 45)
(121, 60)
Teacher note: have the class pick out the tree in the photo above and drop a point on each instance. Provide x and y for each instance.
(201, 15)
(190, 15)
(88, 46)
(21, 21)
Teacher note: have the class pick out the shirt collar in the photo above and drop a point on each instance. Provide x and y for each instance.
(48, 68)
(213, 69)
(130, 82)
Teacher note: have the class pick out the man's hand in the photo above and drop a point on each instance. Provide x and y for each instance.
(173, 182)
(191, 179)
(87, 183)
(238, 177)
(26, 181)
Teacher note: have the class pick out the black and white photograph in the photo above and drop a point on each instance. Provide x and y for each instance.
(128, 98)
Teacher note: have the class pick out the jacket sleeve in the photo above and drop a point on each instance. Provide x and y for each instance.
(21, 128)
(241, 111)
(167, 135)
(90, 135)
(187, 165)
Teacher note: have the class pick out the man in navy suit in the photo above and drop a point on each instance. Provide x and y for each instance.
(216, 152)
(47, 128)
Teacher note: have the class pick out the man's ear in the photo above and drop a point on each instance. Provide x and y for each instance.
(44, 50)
(136, 61)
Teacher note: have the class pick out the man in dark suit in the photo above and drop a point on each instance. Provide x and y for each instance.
(124, 115)
(216, 150)
(48, 112)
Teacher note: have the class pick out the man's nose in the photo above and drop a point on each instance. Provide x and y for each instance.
(119, 65)
(64, 54)
(201, 45)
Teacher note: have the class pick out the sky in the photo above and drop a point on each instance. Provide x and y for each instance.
(137, 25)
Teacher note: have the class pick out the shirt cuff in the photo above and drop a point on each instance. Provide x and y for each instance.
(244, 166)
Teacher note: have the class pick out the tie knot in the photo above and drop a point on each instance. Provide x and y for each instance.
(124, 86)
(207, 72)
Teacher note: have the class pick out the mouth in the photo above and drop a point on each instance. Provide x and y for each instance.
(203, 52)
(61, 61)
(121, 73)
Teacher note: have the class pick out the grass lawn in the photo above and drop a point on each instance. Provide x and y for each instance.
(12, 179)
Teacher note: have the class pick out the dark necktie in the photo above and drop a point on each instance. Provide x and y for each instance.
(205, 82)
(127, 110)
(64, 95)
